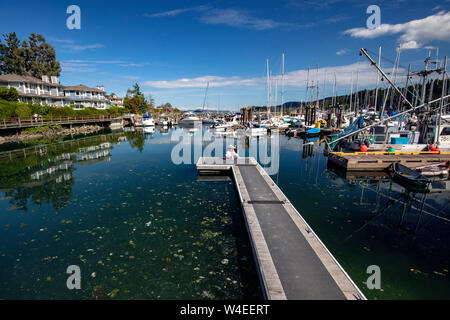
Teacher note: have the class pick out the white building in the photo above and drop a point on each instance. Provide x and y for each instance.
(49, 91)
(114, 100)
(88, 97)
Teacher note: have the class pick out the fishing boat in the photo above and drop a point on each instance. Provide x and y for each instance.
(147, 119)
(434, 170)
(409, 176)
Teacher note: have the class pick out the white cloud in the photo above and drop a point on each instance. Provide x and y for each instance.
(341, 52)
(230, 17)
(366, 76)
(176, 12)
(77, 65)
(238, 18)
(414, 34)
(81, 47)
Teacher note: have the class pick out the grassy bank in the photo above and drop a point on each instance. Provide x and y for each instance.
(9, 109)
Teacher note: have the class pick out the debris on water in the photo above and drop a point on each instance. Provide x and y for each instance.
(224, 261)
(415, 271)
(148, 223)
(113, 293)
(131, 243)
(93, 274)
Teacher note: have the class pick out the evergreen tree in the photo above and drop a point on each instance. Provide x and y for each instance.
(33, 58)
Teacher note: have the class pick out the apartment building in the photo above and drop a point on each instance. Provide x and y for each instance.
(48, 90)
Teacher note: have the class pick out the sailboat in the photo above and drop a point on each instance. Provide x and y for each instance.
(259, 129)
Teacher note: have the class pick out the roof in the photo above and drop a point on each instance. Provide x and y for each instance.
(81, 87)
(18, 78)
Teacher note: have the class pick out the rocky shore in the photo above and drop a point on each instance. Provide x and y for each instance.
(51, 133)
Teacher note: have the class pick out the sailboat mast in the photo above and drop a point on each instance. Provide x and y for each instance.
(282, 84)
(351, 93)
(356, 95)
(317, 88)
(324, 89)
(206, 96)
(444, 88)
(268, 88)
(276, 95)
(307, 86)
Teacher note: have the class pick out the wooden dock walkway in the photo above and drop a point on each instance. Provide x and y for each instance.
(379, 161)
(292, 261)
(16, 123)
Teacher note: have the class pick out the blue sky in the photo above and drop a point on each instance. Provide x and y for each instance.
(173, 48)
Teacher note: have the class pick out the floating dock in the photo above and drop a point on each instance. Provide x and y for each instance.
(292, 262)
(380, 161)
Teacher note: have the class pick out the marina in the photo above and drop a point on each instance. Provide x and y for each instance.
(203, 153)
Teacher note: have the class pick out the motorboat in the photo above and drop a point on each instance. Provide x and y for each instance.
(190, 120)
(256, 131)
(147, 119)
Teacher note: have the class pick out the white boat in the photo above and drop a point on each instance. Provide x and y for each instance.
(256, 131)
(190, 120)
(149, 129)
(147, 119)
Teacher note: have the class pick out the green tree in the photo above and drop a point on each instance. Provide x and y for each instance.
(135, 101)
(12, 59)
(23, 111)
(33, 58)
(10, 94)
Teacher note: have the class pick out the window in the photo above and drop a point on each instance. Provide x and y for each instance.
(445, 132)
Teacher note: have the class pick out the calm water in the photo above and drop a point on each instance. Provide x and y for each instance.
(141, 227)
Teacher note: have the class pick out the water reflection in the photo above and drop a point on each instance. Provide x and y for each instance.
(138, 226)
(119, 207)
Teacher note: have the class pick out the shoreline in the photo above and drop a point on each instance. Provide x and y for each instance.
(51, 133)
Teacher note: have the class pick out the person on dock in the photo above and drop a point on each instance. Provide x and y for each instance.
(231, 153)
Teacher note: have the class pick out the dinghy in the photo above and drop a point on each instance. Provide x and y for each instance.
(438, 169)
(408, 176)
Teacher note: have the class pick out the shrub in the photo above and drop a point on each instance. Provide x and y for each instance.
(7, 109)
(23, 111)
(41, 129)
(9, 94)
